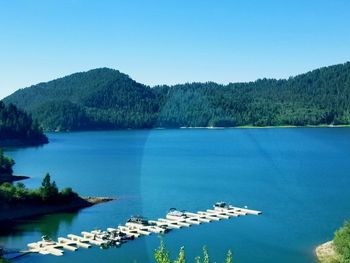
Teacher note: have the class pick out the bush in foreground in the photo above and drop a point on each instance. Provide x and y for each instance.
(162, 255)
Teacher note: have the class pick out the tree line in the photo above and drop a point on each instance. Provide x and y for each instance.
(15, 124)
(107, 99)
(48, 193)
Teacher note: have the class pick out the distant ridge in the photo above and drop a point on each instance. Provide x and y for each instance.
(108, 99)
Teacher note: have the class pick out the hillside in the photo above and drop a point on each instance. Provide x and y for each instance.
(107, 99)
(97, 99)
(18, 128)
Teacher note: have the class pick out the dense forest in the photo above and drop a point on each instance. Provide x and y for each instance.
(17, 127)
(107, 99)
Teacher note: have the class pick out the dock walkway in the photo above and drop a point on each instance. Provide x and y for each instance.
(116, 236)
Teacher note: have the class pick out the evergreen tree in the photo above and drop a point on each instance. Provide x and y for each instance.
(17, 125)
(6, 164)
(48, 190)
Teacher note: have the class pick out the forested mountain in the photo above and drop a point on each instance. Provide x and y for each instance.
(16, 127)
(107, 99)
(98, 99)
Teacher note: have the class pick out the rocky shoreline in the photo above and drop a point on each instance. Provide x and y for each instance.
(10, 213)
(326, 253)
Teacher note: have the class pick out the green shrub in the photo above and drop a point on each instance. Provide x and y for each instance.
(162, 255)
(342, 242)
(7, 192)
(68, 194)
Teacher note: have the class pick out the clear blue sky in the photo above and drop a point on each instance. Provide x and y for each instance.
(170, 41)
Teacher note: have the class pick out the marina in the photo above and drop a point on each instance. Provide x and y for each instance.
(136, 227)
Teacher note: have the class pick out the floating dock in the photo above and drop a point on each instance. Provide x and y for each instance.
(136, 228)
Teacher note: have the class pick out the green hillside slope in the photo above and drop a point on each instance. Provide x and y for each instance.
(107, 99)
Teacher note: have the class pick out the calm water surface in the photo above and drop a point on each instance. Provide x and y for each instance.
(299, 178)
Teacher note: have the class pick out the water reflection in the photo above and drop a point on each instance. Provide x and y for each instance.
(46, 225)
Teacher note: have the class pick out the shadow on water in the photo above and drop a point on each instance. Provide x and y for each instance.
(21, 147)
(45, 225)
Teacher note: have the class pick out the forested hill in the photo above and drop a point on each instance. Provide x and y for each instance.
(17, 128)
(107, 99)
(98, 99)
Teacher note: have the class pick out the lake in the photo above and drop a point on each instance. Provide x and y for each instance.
(298, 177)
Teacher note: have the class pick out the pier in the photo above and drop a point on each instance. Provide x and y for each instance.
(136, 227)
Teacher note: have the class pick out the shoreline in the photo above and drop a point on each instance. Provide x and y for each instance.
(10, 213)
(269, 127)
(325, 253)
(204, 128)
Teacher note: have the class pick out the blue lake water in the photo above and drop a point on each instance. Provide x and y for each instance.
(298, 177)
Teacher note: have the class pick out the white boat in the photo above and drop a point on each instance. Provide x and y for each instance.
(181, 217)
(145, 225)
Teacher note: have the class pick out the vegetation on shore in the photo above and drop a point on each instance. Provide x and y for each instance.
(18, 128)
(338, 250)
(17, 201)
(108, 99)
(6, 165)
(48, 193)
(6, 171)
(162, 255)
(342, 242)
